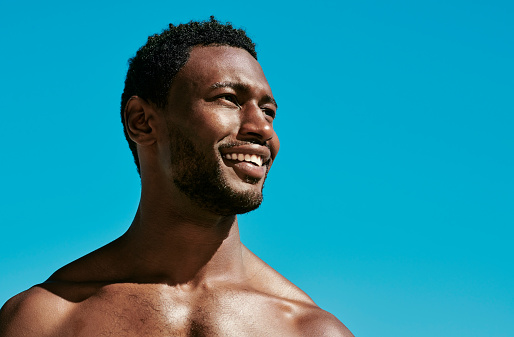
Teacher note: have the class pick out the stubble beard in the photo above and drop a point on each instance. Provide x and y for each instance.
(200, 178)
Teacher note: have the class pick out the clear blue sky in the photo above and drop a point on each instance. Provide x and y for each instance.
(391, 201)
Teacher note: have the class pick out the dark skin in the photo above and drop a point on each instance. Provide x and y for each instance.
(181, 269)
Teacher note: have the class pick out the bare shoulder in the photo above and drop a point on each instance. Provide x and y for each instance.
(318, 322)
(307, 318)
(43, 309)
(267, 280)
(34, 312)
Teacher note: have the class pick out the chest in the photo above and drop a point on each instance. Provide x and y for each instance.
(158, 313)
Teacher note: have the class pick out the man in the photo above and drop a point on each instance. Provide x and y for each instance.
(198, 115)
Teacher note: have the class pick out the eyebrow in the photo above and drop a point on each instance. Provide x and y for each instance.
(243, 87)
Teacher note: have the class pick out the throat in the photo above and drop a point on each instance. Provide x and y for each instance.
(186, 254)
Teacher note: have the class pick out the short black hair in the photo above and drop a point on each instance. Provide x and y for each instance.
(152, 70)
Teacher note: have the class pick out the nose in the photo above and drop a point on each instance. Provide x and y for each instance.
(255, 124)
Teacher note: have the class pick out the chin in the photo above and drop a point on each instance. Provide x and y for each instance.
(232, 202)
(215, 194)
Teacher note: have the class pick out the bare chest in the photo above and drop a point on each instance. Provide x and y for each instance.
(159, 313)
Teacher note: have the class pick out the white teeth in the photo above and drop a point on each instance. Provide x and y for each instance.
(252, 158)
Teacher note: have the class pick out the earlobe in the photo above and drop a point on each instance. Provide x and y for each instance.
(137, 116)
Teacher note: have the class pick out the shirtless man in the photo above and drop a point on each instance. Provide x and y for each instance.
(198, 115)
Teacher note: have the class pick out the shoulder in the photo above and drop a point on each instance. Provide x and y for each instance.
(34, 312)
(318, 322)
(267, 280)
(300, 310)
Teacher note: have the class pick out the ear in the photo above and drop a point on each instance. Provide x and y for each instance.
(138, 118)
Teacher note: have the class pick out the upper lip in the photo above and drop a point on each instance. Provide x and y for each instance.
(250, 149)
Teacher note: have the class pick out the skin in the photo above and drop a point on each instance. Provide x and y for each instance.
(181, 269)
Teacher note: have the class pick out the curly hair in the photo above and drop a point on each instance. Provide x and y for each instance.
(152, 70)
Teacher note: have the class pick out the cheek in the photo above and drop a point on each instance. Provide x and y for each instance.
(215, 125)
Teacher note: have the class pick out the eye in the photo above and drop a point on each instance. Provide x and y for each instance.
(230, 98)
(270, 113)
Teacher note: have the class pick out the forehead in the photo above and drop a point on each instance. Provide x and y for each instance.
(208, 65)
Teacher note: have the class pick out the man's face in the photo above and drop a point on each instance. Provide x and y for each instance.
(220, 121)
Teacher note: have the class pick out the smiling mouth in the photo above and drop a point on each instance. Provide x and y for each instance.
(249, 158)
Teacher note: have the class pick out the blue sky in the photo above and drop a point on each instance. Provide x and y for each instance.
(391, 200)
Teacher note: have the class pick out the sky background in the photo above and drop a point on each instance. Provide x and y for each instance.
(391, 200)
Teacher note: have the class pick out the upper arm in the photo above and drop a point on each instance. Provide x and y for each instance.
(34, 312)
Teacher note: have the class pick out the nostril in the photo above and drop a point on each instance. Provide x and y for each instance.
(255, 134)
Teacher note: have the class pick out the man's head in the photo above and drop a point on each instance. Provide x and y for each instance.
(211, 137)
(155, 65)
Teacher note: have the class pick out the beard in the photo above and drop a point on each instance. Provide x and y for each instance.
(199, 177)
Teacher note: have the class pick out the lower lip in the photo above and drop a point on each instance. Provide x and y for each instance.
(247, 169)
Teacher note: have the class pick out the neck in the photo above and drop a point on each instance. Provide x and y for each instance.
(175, 245)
